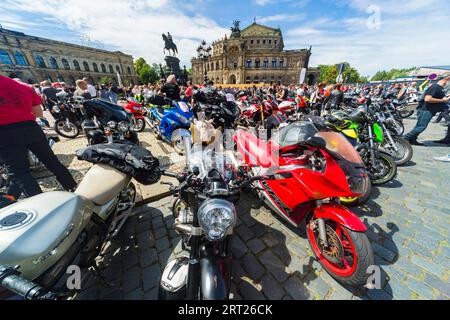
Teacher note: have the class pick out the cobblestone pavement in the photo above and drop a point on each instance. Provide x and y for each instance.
(408, 229)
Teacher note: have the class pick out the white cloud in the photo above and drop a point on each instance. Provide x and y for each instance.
(403, 40)
(281, 17)
(132, 26)
(263, 2)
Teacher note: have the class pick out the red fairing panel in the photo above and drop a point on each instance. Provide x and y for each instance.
(340, 214)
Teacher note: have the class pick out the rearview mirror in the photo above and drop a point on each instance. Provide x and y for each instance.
(317, 142)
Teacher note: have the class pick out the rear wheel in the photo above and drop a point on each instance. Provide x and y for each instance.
(348, 254)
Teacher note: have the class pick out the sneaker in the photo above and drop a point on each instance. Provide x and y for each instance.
(444, 158)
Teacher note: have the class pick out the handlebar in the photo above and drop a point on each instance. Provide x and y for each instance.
(10, 279)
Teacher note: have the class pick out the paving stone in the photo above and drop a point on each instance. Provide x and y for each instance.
(419, 287)
(298, 249)
(151, 277)
(151, 294)
(238, 247)
(442, 286)
(137, 294)
(274, 265)
(430, 266)
(256, 245)
(296, 288)
(272, 288)
(252, 266)
(249, 291)
(244, 232)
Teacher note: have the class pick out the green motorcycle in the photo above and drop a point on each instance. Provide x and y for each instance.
(366, 134)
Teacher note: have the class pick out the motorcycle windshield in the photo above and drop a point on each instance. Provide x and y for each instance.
(338, 144)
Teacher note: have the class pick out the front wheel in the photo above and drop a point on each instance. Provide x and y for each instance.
(404, 151)
(384, 171)
(348, 254)
(404, 113)
(357, 201)
(66, 129)
(139, 125)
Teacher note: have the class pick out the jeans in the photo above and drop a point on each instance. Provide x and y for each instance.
(423, 119)
(16, 141)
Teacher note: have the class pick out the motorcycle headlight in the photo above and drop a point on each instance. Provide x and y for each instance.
(112, 124)
(217, 218)
(123, 126)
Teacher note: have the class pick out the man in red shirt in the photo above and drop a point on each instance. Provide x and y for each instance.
(19, 134)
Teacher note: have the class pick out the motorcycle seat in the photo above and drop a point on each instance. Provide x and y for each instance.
(357, 116)
(101, 184)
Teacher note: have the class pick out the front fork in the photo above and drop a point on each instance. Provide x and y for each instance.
(389, 137)
(372, 147)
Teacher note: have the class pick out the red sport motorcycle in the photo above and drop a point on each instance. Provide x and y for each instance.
(132, 106)
(307, 171)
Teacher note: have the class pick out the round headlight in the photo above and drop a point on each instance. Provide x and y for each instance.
(216, 217)
(112, 124)
(123, 126)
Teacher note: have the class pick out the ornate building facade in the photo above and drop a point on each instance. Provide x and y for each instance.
(34, 59)
(254, 55)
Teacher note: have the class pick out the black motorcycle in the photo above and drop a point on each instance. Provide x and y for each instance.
(70, 117)
(205, 216)
(107, 122)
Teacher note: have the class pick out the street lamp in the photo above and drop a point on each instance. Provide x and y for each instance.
(204, 53)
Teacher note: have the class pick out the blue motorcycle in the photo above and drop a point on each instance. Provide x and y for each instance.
(171, 122)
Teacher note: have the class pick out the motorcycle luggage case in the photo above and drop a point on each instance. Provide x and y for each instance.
(36, 232)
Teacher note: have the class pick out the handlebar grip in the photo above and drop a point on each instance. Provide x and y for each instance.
(11, 280)
(170, 174)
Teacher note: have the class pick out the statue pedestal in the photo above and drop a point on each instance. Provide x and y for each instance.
(173, 64)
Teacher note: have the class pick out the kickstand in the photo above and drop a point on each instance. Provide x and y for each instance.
(96, 272)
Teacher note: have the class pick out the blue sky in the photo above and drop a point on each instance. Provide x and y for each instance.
(370, 34)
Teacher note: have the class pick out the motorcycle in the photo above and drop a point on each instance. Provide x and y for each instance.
(366, 135)
(170, 123)
(44, 235)
(204, 215)
(132, 106)
(107, 122)
(309, 170)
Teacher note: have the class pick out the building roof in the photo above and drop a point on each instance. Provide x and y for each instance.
(258, 29)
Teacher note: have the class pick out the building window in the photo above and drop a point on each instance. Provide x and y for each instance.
(5, 58)
(257, 63)
(270, 41)
(264, 41)
(252, 41)
(257, 41)
(86, 66)
(247, 80)
(111, 69)
(118, 69)
(249, 63)
(65, 64)
(266, 63)
(235, 65)
(39, 61)
(76, 65)
(281, 63)
(212, 66)
(274, 63)
(94, 65)
(276, 41)
(103, 68)
(20, 59)
(129, 70)
(53, 63)
(256, 79)
(217, 65)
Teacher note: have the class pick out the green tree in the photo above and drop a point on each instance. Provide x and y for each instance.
(350, 74)
(328, 73)
(391, 74)
(105, 80)
(146, 73)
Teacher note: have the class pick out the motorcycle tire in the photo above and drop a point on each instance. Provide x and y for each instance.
(404, 153)
(63, 129)
(357, 249)
(390, 173)
(357, 201)
(139, 126)
(397, 129)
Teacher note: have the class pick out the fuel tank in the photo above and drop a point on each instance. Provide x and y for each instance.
(36, 232)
